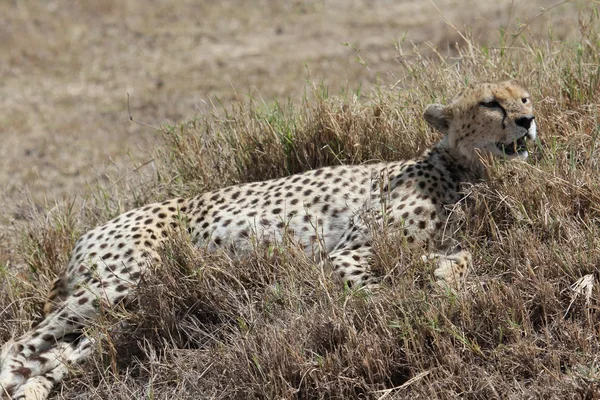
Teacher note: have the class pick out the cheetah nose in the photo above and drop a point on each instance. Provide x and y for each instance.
(525, 122)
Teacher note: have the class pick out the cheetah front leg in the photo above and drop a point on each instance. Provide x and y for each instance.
(351, 265)
(351, 258)
(451, 269)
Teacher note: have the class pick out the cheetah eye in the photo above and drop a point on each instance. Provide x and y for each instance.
(525, 100)
(490, 104)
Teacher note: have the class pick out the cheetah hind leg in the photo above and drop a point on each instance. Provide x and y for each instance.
(59, 361)
(451, 269)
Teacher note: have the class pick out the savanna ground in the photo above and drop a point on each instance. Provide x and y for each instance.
(245, 92)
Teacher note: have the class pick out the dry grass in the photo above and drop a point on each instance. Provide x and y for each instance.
(274, 326)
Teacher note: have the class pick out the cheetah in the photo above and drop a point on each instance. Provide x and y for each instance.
(329, 211)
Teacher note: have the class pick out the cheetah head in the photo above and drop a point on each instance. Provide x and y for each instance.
(493, 118)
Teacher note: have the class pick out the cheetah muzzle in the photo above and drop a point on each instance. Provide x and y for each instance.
(330, 211)
(516, 147)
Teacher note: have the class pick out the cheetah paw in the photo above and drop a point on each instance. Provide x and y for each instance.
(452, 269)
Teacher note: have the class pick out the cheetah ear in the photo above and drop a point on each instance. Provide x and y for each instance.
(438, 116)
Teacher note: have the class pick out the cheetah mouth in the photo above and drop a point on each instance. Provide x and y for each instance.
(518, 146)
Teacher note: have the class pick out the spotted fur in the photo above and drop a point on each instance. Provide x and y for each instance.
(331, 212)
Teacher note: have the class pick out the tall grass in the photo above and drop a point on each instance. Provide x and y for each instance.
(274, 326)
